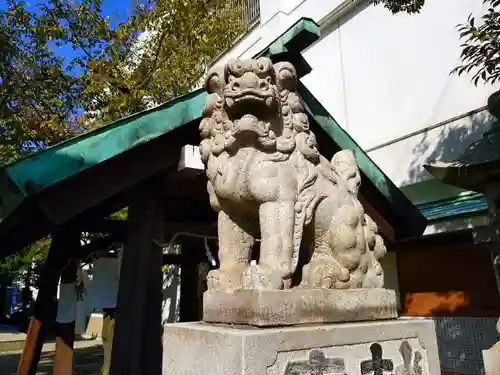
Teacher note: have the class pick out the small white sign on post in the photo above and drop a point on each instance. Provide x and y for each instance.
(67, 306)
(190, 160)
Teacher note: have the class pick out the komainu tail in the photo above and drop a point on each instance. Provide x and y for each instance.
(307, 199)
(344, 163)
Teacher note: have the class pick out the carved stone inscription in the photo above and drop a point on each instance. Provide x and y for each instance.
(392, 357)
(409, 367)
(377, 365)
(317, 364)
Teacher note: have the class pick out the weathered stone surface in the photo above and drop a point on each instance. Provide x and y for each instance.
(298, 306)
(402, 347)
(316, 363)
(267, 180)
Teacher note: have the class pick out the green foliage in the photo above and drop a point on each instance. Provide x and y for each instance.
(481, 47)
(120, 215)
(36, 95)
(397, 6)
(159, 52)
(25, 266)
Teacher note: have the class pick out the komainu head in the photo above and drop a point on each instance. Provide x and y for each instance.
(246, 86)
(253, 102)
(251, 86)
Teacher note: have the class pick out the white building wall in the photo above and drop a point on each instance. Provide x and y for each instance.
(385, 77)
(275, 17)
(396, 69)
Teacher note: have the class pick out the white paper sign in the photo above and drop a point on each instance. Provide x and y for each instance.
(66, 308)
(105, 281)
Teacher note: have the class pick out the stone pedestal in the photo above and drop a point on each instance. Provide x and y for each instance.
(384, 347)
(298, 306)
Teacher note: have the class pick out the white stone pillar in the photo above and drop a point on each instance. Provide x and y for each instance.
(105, 280)
(66, 308)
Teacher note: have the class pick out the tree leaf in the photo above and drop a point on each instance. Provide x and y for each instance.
(46, 98)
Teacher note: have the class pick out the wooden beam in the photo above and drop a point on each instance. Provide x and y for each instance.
(384, 227)
(444, 239)
(192, 186)
(119, 228)
(100, 225)
(189, 301)
(97, 245)
(152, 328)
(44, 311)
(87, 189)
(138, 293)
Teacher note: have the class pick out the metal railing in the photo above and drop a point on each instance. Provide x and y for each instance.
(251, 11)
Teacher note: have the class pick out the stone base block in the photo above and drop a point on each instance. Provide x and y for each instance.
(298, 306)
(94, 326)
(386, 347)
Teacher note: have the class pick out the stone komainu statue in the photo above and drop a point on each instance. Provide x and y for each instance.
(267, 180)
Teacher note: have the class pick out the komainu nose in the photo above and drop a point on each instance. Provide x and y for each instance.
(249, 80)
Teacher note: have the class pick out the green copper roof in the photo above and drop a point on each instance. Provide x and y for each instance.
(473, 203)
(46, 168)
(23, 181)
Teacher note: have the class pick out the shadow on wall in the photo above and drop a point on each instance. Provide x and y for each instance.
(445, 143)
(469, 220)
(171, 294)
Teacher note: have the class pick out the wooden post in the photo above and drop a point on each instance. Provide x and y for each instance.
(137, 337)
(45, 308)
(152, 335)
(65, 321)
(189, 301)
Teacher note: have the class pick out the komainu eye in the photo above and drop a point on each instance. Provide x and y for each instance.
(263, 67)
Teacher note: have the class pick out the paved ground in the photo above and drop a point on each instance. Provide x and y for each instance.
(87, 359)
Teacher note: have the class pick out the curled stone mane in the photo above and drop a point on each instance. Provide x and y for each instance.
(274, 115)
(280, 124)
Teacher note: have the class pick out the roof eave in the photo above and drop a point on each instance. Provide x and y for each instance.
(471, 176)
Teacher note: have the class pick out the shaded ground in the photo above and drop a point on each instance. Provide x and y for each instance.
(87, 360)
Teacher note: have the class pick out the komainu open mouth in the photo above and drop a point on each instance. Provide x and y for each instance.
(253, 101)
(248, 92)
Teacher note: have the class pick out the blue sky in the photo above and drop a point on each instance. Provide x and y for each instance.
(119, 7)
(117, 10)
